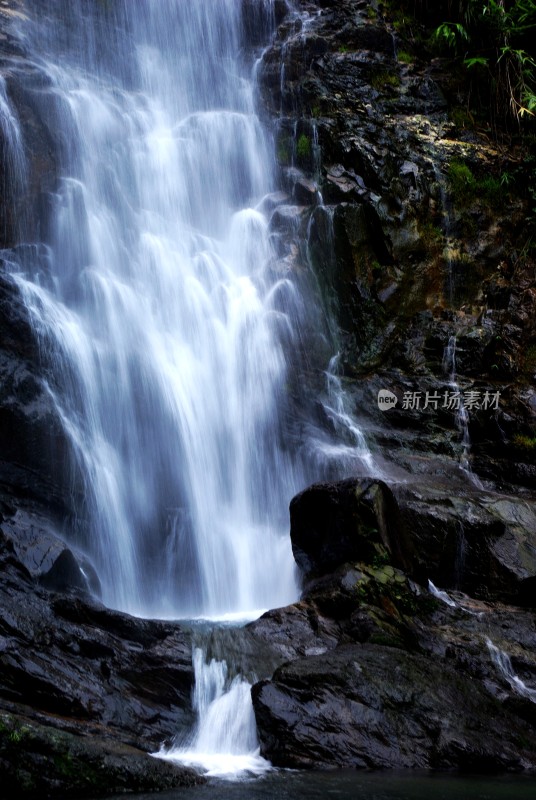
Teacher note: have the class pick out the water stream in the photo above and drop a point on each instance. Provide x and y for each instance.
(167, 332)
(167, 328)
(224, 742)
(503, 663)
(461, 412)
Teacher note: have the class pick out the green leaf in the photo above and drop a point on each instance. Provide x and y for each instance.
(476, 61)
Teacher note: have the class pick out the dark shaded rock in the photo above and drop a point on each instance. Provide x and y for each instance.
(35, 453)
(480, 542)
(39, 761)
(74, 664)
(346, 521)
(375, 707)
(404, 264)
(65, 574)
(296, 631)
(305, 191)
(467, 538)
(258, 19)
(39, 547)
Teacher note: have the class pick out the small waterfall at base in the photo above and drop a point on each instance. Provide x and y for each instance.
(224, 742)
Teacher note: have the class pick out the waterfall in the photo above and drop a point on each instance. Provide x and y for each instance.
(166, 331)
(174, 342)
(182, 351)
(224, 742)
(504, 666)
(441, 595)
(462, 415)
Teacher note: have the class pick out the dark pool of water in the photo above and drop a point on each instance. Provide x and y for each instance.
(348, 785)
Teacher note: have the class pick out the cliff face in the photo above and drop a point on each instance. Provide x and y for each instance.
(421, 235)
(417, 230)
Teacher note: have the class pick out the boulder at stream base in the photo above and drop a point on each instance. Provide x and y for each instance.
(38, 761)
(371, 706)
(481, 542)
(332, 523)
(377, 672)
(85, 692)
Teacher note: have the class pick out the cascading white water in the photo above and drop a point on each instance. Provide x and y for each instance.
(441, 595)
(224, 742)
(462, 415)
(14, 172)
(504, 665)
(161, 314)
(166, 331)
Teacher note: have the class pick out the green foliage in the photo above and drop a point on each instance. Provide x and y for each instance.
(362, 590)
(465, 187)
(381, 559)
(525, 442)
(431, 238)
(451, 34)
(506, 179)
(461, 180)
(303, 147)
(283, 150)
(493, 39)
(461, 117)
(405, 57)
(491, 188)
(383, 79)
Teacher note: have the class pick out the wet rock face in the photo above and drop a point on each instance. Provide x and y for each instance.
(405, 261)
(331, 524)
(379, 673)
(38, 761)
(461, 538)
(35, 460)
(95, 668)
(85, 692)
(476, 541)
(369, 706)
(382, 674)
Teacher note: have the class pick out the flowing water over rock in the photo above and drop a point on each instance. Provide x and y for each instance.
(165, 323)
(224, 742)
(168, 328)
(504, 666)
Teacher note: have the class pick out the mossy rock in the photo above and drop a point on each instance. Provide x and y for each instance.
(40, 761)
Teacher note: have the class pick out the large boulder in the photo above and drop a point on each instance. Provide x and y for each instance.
(478, 541)
(38, 761)
(71, 663)
(352, 520)
(370, 706)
